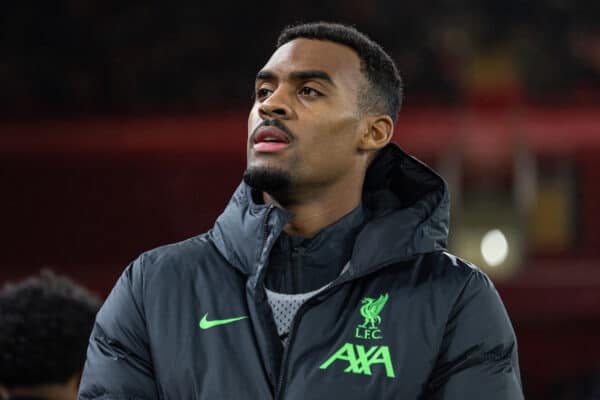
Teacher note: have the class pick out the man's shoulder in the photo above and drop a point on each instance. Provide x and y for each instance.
(450, 264)
(461, 280)
(189, 256)
(178, 252)
(446, 269)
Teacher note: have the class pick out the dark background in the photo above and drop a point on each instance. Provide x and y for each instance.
(123, 127)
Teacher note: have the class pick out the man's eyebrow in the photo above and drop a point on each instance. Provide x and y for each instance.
(312, 74)
(297, 76)
(265, 75)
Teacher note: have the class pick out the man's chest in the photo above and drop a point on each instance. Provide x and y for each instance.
(368, 340)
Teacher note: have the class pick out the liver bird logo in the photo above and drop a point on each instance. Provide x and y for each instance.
(370, 310)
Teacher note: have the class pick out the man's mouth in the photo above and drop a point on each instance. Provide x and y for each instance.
(270, 139)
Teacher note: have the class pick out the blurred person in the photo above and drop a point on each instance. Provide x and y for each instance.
(45, 323)
(326, 275)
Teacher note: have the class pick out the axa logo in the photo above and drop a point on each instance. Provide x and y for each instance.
(360, 360)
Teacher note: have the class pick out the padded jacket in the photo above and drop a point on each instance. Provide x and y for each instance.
(406, 320)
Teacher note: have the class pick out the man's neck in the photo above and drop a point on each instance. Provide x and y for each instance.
(315, 212)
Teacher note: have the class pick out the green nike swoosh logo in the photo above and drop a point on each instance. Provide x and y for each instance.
(206, 324)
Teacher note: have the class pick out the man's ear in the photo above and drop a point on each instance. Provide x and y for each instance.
(379, 132)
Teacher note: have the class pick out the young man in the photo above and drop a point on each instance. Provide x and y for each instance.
(326, 275)
(45, 323)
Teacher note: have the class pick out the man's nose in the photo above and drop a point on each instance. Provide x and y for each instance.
(277, 105)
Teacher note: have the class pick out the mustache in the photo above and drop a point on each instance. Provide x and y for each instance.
(277, 124)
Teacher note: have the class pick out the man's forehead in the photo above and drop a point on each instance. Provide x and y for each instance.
(337, 60)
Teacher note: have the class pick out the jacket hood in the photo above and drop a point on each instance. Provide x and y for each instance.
(409, 215)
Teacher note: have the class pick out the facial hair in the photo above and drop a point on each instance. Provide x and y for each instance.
(273, 181)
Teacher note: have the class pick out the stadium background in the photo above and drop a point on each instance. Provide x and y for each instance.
(123, 128)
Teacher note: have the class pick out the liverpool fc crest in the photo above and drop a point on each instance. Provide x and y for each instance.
(370, 310)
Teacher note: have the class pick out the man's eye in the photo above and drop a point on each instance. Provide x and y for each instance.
(308, 91)
(262, 93)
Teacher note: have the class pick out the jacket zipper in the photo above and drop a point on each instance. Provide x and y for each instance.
(282, 368)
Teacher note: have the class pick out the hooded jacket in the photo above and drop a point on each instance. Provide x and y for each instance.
(406, 320)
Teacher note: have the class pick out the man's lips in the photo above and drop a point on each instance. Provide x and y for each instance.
(269, 139)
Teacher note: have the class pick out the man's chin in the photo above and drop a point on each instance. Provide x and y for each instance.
(270, 180)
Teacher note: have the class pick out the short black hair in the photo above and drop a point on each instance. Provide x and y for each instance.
(45, 323)
(384, 94)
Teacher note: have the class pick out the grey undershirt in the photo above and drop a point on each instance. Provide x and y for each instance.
(285, 307)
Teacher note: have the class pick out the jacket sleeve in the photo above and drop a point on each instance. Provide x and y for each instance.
(118, 364)
(478, 356)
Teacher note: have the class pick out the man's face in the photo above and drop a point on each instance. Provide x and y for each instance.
(308, 90)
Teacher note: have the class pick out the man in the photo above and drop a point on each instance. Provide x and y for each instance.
(45, 323)
(326, 275)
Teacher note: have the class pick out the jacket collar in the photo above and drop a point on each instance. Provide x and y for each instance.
(409, 208)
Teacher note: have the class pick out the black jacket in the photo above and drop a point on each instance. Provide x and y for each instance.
(405, 321)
